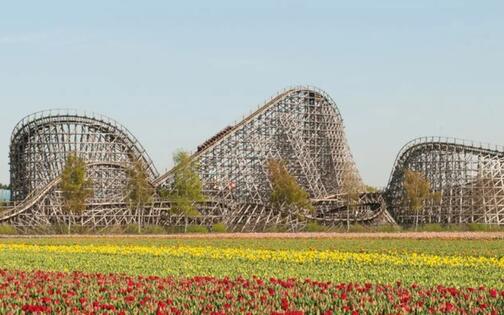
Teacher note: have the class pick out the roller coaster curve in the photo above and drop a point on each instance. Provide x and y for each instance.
(468, 176)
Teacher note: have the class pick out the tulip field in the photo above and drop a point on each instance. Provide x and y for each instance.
(251, 276)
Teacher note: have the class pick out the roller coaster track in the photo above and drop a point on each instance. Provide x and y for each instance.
(233, 129)
(468, 175)
(41, 141)
(302, 126)
(369, 208)
(228, 131)
(423, 144)
(33, 198)
(50, 117)
(37, 195)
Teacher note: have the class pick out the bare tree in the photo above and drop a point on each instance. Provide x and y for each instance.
(351, 188)
(484, 188)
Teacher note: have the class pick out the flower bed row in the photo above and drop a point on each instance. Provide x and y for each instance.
(294, 256)
(96, 293)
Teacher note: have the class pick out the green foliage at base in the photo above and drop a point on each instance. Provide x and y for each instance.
(57, 229)
(174, 229)
(285, 188)
(139, 189)
(466, 227)
(75, 185)
(153, 229)
(131, 229)
(315, 227)
(111, 230)
(187, 188)
(197, 229)
(276, 229)
(432, 227)
(219, 228)
(387, 228)
(6, 229)
(358, 228)
(144, 229)
(483, 227)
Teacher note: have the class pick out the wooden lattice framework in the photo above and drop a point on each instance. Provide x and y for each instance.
(301, 126)
(468, 176)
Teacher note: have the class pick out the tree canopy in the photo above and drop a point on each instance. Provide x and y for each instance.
(417, 189)
(140, 191)
(371, 189)
(75, 185)
(186, 189)
(351, 188)
(285, 189)
(417, 192)
(351, 185)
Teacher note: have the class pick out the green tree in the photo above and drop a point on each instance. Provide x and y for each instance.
(417, 192)
(140, 190)
(186, 189)
(371, 189)
(351, 188)
(75, 186)
(285, 189)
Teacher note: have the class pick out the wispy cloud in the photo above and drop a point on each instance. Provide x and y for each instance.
(22, 38)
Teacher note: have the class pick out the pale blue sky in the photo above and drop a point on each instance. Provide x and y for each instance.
(176, 72)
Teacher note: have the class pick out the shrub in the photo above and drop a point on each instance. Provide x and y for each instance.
(483, 227)
(337, 228)
(357, 228)
(315, 227)
(40, 229)
(79, 229)
(219, 228)
(174, 229)
(455, 227)
(286, 191)
(131, 229)
(432, 227)
(58, 228)
(153, 229)
(113, 229)
(473, 227)
(387, 228)
(275, 229)
(196, 229)
(6, 229)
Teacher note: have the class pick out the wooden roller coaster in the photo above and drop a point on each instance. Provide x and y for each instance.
(301, 126)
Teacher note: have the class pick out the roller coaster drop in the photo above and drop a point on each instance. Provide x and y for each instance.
(300, 126)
